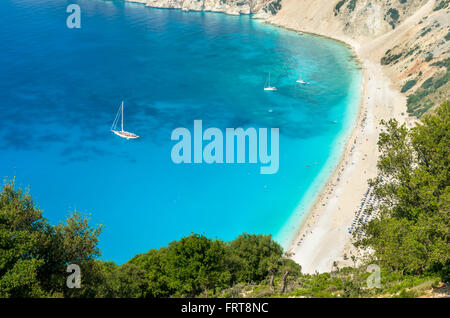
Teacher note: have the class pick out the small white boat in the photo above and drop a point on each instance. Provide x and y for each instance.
(121, 133)
(267, 86)
(300, 81)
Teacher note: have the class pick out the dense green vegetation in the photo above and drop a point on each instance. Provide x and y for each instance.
(408, 239)
(413, 185)
(408, 85)
(34, 254)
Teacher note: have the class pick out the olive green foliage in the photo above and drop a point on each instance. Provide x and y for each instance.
(196, 265)
(34, 254)
(126, 281)
(252, 255)
(408, 85)
(413, 186)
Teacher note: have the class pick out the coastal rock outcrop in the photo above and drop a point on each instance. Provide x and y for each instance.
(261, 8)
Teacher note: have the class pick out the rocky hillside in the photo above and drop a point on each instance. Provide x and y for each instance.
(410, 38)
(417, 55)
(260, 8)
(420, 63)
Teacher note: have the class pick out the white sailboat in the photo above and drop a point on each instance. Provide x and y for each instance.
(300, 81)
(267, 86)
(121, 133)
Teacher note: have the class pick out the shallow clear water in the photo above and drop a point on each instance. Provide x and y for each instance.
(60, 89)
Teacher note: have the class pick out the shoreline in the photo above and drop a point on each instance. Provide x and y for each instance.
(323, 230)
(328, 185)
(304, 218)
(347, 142)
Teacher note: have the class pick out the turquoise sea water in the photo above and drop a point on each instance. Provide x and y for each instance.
(60, 89)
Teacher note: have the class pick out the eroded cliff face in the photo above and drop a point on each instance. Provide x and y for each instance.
(410, 38)
(260, 8)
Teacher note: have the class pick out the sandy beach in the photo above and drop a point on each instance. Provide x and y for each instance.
(324, 234)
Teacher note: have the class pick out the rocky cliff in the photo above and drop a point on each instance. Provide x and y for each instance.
(259, 8)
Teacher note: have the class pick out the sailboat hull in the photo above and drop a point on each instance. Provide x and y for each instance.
(125, 134)
(267, 86)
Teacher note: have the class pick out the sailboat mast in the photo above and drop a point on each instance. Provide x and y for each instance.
(122, 115)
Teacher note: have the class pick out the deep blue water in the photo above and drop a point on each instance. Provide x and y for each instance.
(60, 89)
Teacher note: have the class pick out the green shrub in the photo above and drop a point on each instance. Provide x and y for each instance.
(393, 13)
(408, 85)
(425, 31)
(428, 83)
(352, 5)
(388, 59)
(442, 80)
(407, 294)
(444, 63)
(442, 5)
(338, 6)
